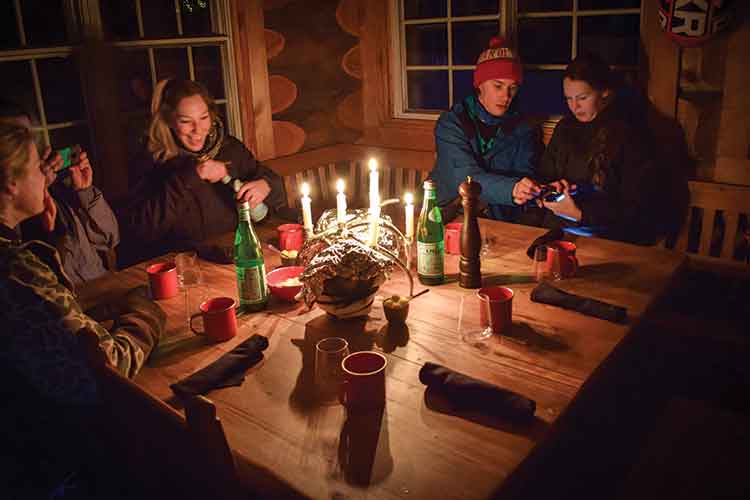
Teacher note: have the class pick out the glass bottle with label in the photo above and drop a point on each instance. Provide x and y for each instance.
(430, 239)
(249, 264)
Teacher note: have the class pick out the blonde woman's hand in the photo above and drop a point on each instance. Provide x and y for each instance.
(48, 215)
(211, 170)
(81, 175)
(51, 163)
(254, 192)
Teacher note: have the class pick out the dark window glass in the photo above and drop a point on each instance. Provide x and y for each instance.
(171, 63)
(544, 5)
(134, 80)
(470, 39)
(463, 84)
(474, 7)
(197, 19)
(614, 38)
(426, 45)
(608, 4)
(61, 90)
(18, 87)
(207, 63)
(159, 18)
(222, 109)
(541, 93)
(423, 9)
(9, 38)
(119, 19)
(44, 22)
(69, 136)
(427, 90)
(545, 40)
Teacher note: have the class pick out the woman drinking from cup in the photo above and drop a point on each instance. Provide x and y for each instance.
(598, 165)
(186, 175)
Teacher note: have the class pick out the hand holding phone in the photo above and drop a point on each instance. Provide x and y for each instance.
(70, 156)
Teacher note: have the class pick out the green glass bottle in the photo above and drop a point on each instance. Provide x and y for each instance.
(249, 264)
(430, 239)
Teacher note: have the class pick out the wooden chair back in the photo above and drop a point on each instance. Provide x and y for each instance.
(170, 455)
(713, 220)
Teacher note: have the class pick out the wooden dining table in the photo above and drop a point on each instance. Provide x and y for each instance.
(416, 447)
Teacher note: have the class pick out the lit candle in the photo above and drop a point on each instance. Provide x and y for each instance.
(340, 202)
(409, 208)
(374, 191)
(306, 209)
(374, 225)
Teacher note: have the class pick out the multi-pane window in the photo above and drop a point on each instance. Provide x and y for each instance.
(440, 40)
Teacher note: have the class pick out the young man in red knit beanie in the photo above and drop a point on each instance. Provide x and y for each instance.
(483, 137)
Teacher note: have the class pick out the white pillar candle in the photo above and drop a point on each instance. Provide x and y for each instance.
(409, 209)
(306, 209)
(340, 202)
(374, 188)
(374, 225)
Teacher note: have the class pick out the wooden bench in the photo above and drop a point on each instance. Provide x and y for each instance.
(401, 171)
(712, 231)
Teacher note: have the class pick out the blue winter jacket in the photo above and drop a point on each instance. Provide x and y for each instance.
(512, 157)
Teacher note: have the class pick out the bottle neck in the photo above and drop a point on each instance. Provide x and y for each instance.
(429, 197)
(244, 211)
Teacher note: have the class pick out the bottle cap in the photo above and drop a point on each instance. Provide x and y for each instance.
(429, 184)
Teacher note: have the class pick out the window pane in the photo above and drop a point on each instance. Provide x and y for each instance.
(474, 7)
(608, 4)
(61, 90)
(44, 22)
(544, 5)
(171, 63)
(208, 70)
(69, 136)
(18, 87)
(615, 38)
(9, 38)
(422, 9)
(541, 93)
(545, 41)
(119, 19)
(470, 39)
(196, 20)
(426, 45)
(427, 90)
(463, 84)
(159, 18)
(134, 80)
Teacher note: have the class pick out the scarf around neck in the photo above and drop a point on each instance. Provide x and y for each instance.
(214, 141)
(476, 112)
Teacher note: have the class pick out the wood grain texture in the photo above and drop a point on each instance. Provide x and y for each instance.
(274, 423)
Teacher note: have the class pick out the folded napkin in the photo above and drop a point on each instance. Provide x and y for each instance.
(227, 371)
(469, 394)
(548, 237)
(547, 294)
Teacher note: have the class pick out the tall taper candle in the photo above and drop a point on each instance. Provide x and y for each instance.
(374, 188)
(409, 208)
(340, 202)
(306, 209)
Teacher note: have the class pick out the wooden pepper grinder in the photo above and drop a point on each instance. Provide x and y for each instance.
(470, 274)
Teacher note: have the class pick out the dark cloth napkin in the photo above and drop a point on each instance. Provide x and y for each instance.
(547, 294)
(227, 371)
(465, 393)
(548, 237)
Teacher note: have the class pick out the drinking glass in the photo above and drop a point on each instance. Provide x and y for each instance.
(474, 318)
(190, 277)
(546, 263)
(329, 353)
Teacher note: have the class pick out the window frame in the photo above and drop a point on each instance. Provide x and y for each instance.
(508, 21)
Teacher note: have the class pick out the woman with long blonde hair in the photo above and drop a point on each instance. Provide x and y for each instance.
(183, 193)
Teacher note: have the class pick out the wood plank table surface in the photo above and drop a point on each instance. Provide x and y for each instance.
(415, 448)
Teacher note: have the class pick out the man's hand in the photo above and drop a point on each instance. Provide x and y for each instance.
(254, 192)
(81, 175)
(51, 163)
(211, 170)
(48, 215)
(524, 190)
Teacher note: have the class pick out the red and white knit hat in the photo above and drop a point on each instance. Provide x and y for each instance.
(497, 62)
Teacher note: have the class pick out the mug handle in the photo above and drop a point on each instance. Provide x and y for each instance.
(190, 323)
(574, 263)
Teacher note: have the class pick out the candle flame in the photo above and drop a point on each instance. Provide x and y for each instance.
(305, 189)
(373, 164)
(340, 185)
(409, 198)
